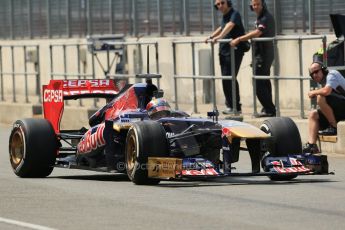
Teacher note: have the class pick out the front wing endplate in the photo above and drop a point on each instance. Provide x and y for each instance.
(163, 167)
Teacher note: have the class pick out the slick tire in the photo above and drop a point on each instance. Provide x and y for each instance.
(285, 140)
(144, 139)
(32, 147)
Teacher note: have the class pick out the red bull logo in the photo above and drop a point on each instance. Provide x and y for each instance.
(226, 132)
(92, 141)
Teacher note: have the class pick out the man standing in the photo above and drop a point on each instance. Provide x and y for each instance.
(331, 102)
(264, 55)
(231, 27)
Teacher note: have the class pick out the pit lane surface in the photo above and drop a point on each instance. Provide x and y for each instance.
(74, 199)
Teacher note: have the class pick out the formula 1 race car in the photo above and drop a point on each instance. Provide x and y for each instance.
(137, 133)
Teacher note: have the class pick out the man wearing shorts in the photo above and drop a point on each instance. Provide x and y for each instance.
(331, 102)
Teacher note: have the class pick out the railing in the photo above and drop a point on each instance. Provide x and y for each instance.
(74, 69)
(22, 82)
(275, 77)
(93, 55)
(114, 54)
(194, 77)
(30, 55)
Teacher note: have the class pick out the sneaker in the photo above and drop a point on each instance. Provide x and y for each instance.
(330, 131)
(310, 148)
(265, 114)
(231, 111)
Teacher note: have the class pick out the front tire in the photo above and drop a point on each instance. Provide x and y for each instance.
(285, 140)
(144, 139)
(32, 148)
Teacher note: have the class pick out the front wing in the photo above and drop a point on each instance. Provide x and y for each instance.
(199, 168)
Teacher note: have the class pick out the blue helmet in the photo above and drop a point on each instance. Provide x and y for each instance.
(158, 108)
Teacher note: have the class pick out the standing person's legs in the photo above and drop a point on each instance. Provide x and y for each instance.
(225, 63)
(264, 87)
(238, 61)
(264, 94)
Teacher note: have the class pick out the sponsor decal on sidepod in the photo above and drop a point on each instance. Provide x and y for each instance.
(92, 141)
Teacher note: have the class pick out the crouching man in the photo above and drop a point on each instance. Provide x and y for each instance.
(331, 102)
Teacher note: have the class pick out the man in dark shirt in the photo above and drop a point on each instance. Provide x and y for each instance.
(231, 27)
(264, 55)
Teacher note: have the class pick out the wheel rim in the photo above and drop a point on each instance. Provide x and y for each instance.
(131, 154)
(17, 148)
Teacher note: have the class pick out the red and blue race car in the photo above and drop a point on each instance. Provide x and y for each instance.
(137, 133)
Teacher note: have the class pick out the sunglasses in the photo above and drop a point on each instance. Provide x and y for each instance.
(219, 3)
(311, 74)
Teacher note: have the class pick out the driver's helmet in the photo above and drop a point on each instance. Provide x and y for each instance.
(158, 108)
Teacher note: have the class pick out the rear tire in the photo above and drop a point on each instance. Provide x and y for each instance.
(33, 147)
(285, 140)
(144, 139)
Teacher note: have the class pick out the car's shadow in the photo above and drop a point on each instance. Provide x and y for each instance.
(97, 177)
(228, 181)
(240, 181)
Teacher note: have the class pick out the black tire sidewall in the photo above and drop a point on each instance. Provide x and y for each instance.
(285, 140)
(151, 142)
(40, 147)
(285, 137)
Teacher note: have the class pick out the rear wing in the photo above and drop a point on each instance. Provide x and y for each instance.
(57, 91)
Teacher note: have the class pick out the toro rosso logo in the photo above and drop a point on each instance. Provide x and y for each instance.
(92, 140)
(52, 95)
(226, 132)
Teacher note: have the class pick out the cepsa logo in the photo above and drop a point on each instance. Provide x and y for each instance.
(86, 83)
(52, 95)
